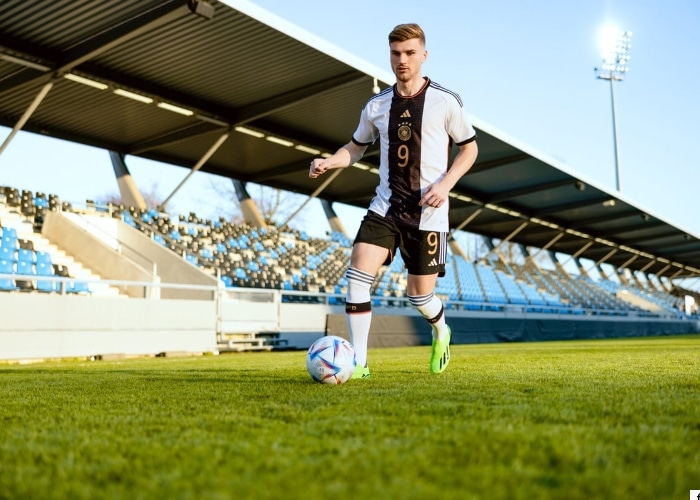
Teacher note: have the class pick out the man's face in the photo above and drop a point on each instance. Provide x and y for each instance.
(407, 58)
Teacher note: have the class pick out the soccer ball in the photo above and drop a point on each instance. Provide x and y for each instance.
(331, 360)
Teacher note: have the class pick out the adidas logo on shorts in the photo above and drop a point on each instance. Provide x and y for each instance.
(432, 263)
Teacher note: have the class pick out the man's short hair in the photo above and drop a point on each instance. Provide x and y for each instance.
(404, 32)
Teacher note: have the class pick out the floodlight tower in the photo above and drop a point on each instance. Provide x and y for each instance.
(616, 46)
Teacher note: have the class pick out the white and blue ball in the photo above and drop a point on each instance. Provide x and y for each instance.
(331, 360)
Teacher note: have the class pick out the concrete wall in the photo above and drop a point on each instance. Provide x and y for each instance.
(94, 253)
(171, 267)
(37, 326)
(475, 328)
(636, 300)
(130, 255)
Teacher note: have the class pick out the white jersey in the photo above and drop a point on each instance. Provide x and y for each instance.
(416, 135)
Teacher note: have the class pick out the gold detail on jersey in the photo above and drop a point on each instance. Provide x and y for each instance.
(404, 132)
(403, 154)
(406, 114)
(433, 243)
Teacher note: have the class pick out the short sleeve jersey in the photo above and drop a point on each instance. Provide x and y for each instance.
(416, 133)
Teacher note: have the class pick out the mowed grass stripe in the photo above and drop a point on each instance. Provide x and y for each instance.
(578, 419)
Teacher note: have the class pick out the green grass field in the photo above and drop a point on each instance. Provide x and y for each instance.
(584, 419)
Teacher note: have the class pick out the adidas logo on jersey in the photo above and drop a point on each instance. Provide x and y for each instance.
(433, 263)
(405, 114)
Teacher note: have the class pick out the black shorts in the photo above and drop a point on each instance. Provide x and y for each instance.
(423, 252)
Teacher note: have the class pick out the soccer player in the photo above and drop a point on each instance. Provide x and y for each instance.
(416, 121)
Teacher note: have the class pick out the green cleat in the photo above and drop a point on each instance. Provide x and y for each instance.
(440, 357)
(360, 372)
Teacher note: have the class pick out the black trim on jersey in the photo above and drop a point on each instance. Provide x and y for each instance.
(362, 144)
(452, 93)
(471, 139)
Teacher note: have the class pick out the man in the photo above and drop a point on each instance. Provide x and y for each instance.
(416, 121)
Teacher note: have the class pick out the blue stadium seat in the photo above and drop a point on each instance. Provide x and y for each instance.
(24, 267)
(44, 257)
(126, 217)
(46, 269)
(25, 255)
(7, 253)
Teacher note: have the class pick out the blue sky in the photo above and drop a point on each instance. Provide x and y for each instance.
(524, 68)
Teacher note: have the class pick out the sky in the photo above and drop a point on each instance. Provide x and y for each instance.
(525, 69)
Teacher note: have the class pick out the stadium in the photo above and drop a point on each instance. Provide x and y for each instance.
(566, 261)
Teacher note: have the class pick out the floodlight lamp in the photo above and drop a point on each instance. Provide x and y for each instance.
(376, 88)
(580, 185)
(615, 46)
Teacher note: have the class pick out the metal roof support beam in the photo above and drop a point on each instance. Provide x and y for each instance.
(661, 273)
(249, 209)
(606, 218)
(199, 165)
(27, 114)
(629, 261)
(549, 244)
(313, 195)
(571, 206)
(607, 256)
(602, 272)
(279, 171)
(647, 266)
(575, 256)
(333, 219)
(291, 98)
(506, 240)
(500, 162)
(103, 42)
(516, 193)
(456, 248)
(670, 233)
(630, 228)
(469, 219)
(581, 269)
(675, 275)
(130, 194)
(582, 249)
(190, 131)
(667, 286)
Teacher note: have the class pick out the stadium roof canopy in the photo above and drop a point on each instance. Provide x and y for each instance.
(167, 79)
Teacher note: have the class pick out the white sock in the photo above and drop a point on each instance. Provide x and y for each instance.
(358, 309)
(431, 309)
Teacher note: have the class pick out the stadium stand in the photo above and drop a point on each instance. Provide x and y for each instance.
(189, 277)
(25, 255)
(240, 287)
(283, 258)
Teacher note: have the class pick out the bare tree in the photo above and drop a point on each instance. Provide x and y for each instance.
(150, 196)
(275, 205)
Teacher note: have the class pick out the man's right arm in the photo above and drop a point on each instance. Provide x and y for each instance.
(344, 157)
